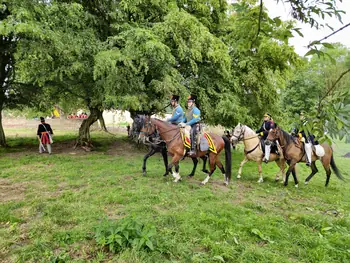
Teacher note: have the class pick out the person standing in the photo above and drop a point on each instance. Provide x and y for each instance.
(44, 135)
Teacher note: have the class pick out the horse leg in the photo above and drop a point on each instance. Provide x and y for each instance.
(326, 162)
(261, 179)
(204, 158)
(241, 166)
(296, 183)
(149, 154)
(222, 169)
(280, 165)
(165, 159)
(195, 162)
(212, 163)
(175, 161)
(314, 170)
(290, 169)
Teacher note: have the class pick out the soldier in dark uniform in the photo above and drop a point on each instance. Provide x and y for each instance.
(264, 132)
(308, 140)
(44, 134)
(191, 122)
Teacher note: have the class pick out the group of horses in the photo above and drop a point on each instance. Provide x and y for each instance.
(291, 151)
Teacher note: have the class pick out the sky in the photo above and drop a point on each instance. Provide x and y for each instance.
(310, 34)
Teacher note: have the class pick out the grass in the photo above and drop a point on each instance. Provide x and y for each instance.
(52, 206)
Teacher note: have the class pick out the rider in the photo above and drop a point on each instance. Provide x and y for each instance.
(309, 140)
(264, 132)
(178, 113)
(191, 122)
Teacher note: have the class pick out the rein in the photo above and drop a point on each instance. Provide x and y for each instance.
(252, 150)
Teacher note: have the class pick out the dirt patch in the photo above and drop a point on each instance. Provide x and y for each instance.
(123, 147)
(347, 155)
(10, 191)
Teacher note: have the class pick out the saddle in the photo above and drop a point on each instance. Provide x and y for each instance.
(274, 148)
(204, 140)
(317, 150)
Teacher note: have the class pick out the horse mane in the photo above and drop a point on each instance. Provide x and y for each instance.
(289, 138)
(165, 122)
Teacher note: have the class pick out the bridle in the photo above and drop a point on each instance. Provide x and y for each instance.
(240, 137)
(147, 134)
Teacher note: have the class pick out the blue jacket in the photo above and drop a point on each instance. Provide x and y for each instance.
(178, 115)
(192, 116)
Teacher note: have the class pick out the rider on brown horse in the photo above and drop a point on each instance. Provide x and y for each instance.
(191, 122)
(178, 113)
(308, 140)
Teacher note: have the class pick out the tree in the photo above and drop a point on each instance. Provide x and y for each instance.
(321, 89)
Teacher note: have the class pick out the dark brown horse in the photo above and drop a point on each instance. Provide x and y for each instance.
(171, 135)
(294, 153)
(158, 146)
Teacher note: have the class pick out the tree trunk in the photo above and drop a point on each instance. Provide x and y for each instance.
(2, 133)
(84, 139)
(102, 121)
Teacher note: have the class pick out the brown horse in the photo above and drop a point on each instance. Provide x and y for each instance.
(171, 135)
(294, 153)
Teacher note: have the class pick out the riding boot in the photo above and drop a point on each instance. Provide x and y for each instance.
(267, 153)
(193, 146)
(308, 151)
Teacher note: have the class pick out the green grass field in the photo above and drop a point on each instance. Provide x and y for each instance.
(64, 207)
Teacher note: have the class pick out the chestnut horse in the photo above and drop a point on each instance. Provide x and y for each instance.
(294, 153)
(171, 135)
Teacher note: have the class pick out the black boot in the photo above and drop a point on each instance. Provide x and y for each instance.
(192, 153)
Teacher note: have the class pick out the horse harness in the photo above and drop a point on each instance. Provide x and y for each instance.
(149, 124)
(241, 138)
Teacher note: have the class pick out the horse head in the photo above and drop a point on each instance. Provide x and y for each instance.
(274, 134)
(237, 134)
(147, 129)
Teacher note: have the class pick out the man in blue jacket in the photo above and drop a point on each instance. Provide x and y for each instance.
(178, 113)
(191, 121)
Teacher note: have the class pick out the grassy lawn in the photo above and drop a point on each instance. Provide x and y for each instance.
(64, 207)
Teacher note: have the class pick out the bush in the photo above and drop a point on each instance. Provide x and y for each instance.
(126, 233)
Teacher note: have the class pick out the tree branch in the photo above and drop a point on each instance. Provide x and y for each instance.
(332, 87)
(319, 41)
(259, 24)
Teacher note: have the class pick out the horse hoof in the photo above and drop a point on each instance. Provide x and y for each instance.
(202, 183)
(277, 179)
(166, 174)
(260, 181)
(226, 183)
(306, 182)
(296, 186)
(144, 174)
(238, 177)
(205, 171)
(190, 175)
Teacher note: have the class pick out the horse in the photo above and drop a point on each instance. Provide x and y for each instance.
(171, 135)
(295, 153)
(253, 151)
(156, 146)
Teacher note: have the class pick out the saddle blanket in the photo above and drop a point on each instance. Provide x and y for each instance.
(205, 142)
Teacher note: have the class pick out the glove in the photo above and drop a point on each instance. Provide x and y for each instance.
(181, 125)
(300, 135)
(261, 134)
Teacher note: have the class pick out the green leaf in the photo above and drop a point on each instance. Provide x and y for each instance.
(328, 45)
(149, 244)
(311, 52)
(219, 258)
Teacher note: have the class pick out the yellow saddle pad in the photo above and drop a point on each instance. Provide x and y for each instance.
(205, 136)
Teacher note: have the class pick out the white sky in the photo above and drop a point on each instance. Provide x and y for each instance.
(310, 34)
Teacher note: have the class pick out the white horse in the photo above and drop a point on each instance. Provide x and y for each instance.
(253, 151)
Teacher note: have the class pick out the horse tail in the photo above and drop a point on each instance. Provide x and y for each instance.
(228, 158)
(335, 169)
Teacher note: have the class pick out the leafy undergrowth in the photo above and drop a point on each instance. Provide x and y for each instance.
(74, 206)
